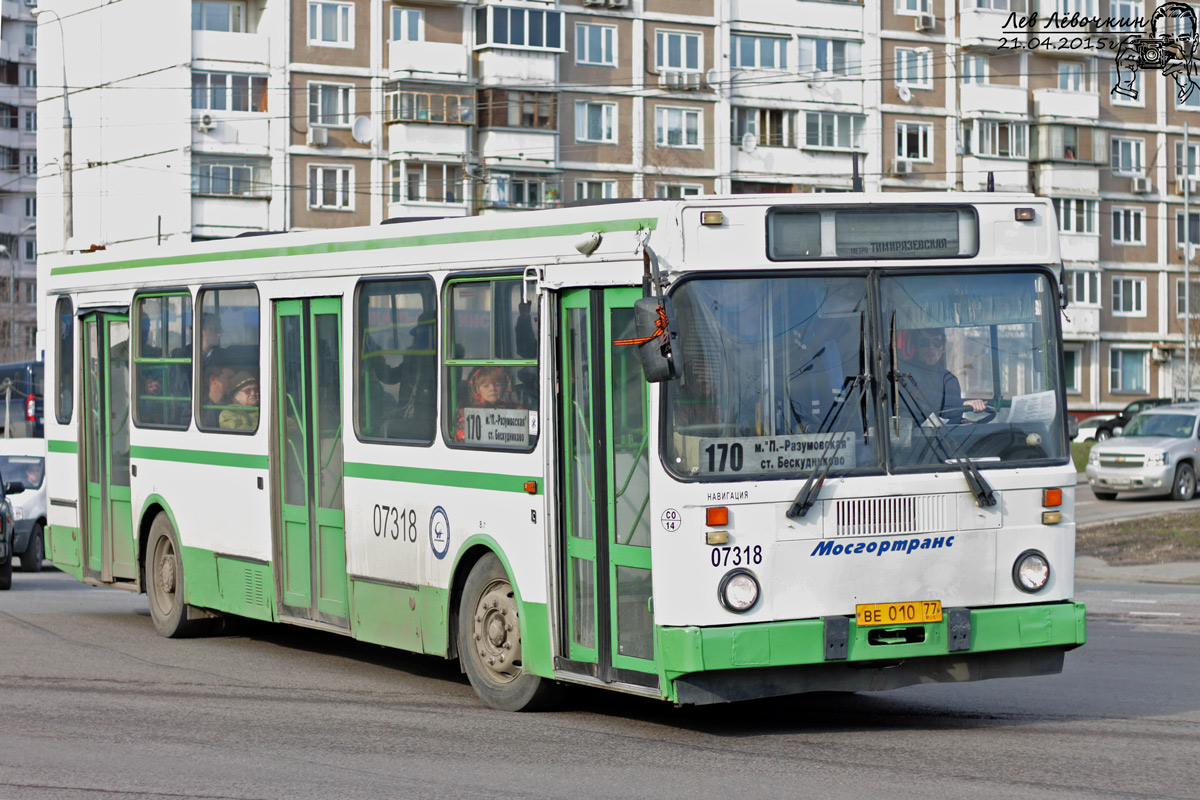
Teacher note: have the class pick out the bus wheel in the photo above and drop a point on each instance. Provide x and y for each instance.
(489, 641)
(35, 550)
(164, 583)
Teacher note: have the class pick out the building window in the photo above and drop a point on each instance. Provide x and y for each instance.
(1071, 77)
(220, 91)
(1127, 226)
(1084, 287)
(676, 127)
(1128, 297)
(1127, 156)
(1075, 215)
(1131, 81)
(677, 191)
(522, 28)
(1193, 298)
(1073, 369)
(914, 141)
(30, 77)
(595, 45)
(30, 250)
(408, 24)
(1189, 103)
(677, 50)
(507, 108)
(595, 190)
(30, 292)
(31, 35)
(330, 24)
(331, 188)
(1084, 8)
(9, 117)
(218, 15)
(975, 69)
(914, 68)
(997, 139)
(31, 163)
(31, 121)
(830, 56)
(30, 206)
(1127, 371)
(523, 190)
(843, 131)
(1187, 165)
(431, 183)
(773, 127)
(230, 179)
(407, 106)
(596, 122)
(1193, 230)
(759, 52)
(329, 104)
(911, 7)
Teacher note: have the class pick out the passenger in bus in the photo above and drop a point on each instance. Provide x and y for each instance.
(150, 405)
(210, 341)
(489, 388)
(933, 389)
(409, 412)
(245, 396)
(218, 382)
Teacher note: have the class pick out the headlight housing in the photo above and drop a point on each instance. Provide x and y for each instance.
(739, 590)
(1093, 456)
(1158, 459)
(1031, 571)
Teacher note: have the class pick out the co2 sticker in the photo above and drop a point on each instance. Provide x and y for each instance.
(670, 520)
(439, 532)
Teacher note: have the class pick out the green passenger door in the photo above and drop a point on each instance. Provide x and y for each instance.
(108, 521)
(308, 472)
(608, 623)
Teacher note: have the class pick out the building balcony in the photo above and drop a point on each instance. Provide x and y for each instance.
(405, 209)
(412, 138)
(229, 216)
(828, 16)
(496, 67)
(12, 139)
(518, 148)
(1061, 104)
(1081, 322)
(236, 133)
(790, 164)
(776, 85)
(251, 48)
(1009, 174)
(982, 27)
(1058, 178)
(977, 99)
(1080, 247)
(428, 61)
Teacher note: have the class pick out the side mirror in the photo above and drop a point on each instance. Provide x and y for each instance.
(1118, 430)
(16, 487)
(654, 321)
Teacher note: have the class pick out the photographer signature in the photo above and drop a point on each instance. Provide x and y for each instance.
(1172, 52)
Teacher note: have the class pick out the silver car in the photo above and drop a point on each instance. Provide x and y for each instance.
(1155, 454)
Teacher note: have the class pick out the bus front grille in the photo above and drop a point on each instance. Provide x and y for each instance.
(887, 516)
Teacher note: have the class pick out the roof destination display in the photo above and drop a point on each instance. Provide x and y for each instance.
(852, 234)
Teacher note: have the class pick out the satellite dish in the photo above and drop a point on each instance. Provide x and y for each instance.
(363, 130)
(904, 92)
(749, 142)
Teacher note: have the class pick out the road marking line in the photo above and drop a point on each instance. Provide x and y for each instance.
(1155, 614)
(1149, 602)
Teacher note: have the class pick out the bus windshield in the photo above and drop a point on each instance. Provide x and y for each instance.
(778, 376)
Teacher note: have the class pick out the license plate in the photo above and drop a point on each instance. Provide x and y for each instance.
(867, 614)
(1118, 481)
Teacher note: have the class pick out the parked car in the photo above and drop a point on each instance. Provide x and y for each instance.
(6, 533)
(1087, 428)
(23, 461)
(21, 400)
(1110, 429)
(1156, 453)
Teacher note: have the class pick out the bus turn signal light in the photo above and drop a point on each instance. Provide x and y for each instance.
(1051, 498)
(718, 515)
(531, 487)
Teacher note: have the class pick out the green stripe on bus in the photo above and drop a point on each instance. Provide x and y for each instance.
(199, 457)
(62, 446)
(424, 240)
(441, 477)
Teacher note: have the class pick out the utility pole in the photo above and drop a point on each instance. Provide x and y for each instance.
(67, 169)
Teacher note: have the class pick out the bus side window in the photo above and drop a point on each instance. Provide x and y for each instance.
(162, 362)
(491, 365)
(65, 361)
(396, 367)
(227, 359)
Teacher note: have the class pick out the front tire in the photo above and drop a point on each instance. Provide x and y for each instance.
(1103, 436)
(35, 550)
(1184, 487)
(6, 573)
(164, 583)
(489, 642)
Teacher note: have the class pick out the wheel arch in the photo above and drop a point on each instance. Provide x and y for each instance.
(154, 505)
(472, 550)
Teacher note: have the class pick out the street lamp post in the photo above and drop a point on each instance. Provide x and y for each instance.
(68, 211)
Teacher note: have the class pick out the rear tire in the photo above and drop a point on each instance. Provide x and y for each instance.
(6, 573)
(35, 550)
(164, 584)
(489, 642)
(1104, 495)
(1184, 487)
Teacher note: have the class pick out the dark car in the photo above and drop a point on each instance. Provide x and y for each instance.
(1113, 427)
(6, 532)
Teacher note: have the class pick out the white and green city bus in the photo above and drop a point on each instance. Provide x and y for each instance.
(700, 450)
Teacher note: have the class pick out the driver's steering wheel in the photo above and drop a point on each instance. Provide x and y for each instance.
(989, 412)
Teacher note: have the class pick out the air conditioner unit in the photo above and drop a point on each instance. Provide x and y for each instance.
(206, 123)
(1193, 186)
(1159, 353)
(671, 79)
(689, 80)
(901, 166)
(593, 2)
(318, 137)
(1141, 186)
(618, 3)
(926, 22)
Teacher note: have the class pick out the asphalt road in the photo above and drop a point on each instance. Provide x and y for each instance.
(1126, 506)
(97, 706)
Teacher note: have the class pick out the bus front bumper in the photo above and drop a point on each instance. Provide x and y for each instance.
(741, 662)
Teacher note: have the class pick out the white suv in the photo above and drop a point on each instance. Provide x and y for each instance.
(1155, 454)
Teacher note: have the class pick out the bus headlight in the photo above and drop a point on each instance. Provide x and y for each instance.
(1031, 571)
(738, 590)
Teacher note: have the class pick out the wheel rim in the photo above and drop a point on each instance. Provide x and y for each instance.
(496, 633)
(1186, 483)
(163, 580)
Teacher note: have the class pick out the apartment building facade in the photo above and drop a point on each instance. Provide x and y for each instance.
(220, 117)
